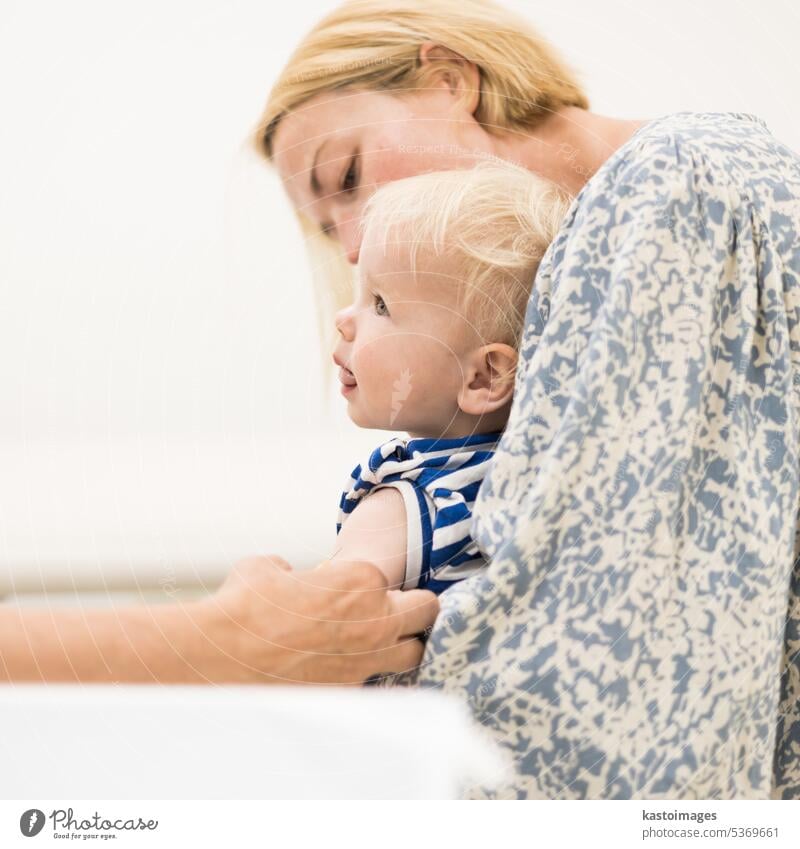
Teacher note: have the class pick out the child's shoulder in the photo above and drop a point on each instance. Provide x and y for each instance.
(423, 461)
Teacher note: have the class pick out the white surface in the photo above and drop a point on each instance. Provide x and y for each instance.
(166, 514)
(66, 742)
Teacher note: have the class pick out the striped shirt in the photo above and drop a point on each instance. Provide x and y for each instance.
(438, 480)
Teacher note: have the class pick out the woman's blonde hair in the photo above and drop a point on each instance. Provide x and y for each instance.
(493, 224)
(375, 45)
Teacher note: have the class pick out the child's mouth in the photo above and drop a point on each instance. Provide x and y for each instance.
(347, 379)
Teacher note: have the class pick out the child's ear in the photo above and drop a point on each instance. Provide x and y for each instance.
(489, 373)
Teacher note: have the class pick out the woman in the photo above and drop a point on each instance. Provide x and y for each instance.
(266, 624)
(636, 633)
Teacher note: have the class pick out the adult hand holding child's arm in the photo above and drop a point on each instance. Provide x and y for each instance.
(336, 623)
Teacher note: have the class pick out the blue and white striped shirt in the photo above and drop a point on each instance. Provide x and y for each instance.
(438, 480)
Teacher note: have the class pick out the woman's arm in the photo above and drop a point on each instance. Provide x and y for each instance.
(376, 532)
(641, 513)
(158, 643)
(267, 624)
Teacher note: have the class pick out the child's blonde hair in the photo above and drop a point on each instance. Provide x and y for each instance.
(493, 222)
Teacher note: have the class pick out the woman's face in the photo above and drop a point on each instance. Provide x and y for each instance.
(336, 149)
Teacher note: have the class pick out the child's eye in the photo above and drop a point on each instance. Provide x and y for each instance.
(380, 306)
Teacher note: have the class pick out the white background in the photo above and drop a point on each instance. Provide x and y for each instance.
(162, 406)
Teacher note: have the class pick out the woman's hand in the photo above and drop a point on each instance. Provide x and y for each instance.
(336, 623)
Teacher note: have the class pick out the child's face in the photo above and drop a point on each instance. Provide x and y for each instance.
(403, 343)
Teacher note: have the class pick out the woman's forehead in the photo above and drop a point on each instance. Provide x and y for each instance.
(325, 115)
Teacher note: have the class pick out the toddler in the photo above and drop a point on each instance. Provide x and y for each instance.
(429, 347)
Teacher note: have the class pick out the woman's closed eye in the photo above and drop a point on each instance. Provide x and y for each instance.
(347, 185)
(350, 178)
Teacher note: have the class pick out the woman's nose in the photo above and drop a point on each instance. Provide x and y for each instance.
(350, 236)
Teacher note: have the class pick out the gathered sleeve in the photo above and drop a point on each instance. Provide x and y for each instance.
(438, 488)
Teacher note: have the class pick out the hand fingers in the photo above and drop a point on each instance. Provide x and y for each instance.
(417, 610)
(256, 564)
(401, 657)
(275, 560)
(348, 576)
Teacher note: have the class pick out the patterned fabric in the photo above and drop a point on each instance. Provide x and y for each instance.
(439, 480)
(636, 634)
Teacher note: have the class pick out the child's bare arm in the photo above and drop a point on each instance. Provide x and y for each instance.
(376, 532)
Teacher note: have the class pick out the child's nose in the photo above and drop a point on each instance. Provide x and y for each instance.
(344, 322)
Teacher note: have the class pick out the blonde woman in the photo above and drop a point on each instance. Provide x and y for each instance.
(635, 633)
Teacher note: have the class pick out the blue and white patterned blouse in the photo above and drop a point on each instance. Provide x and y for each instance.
(636, 633)
(439, 481)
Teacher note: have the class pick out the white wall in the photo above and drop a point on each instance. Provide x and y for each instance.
(154, 294)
